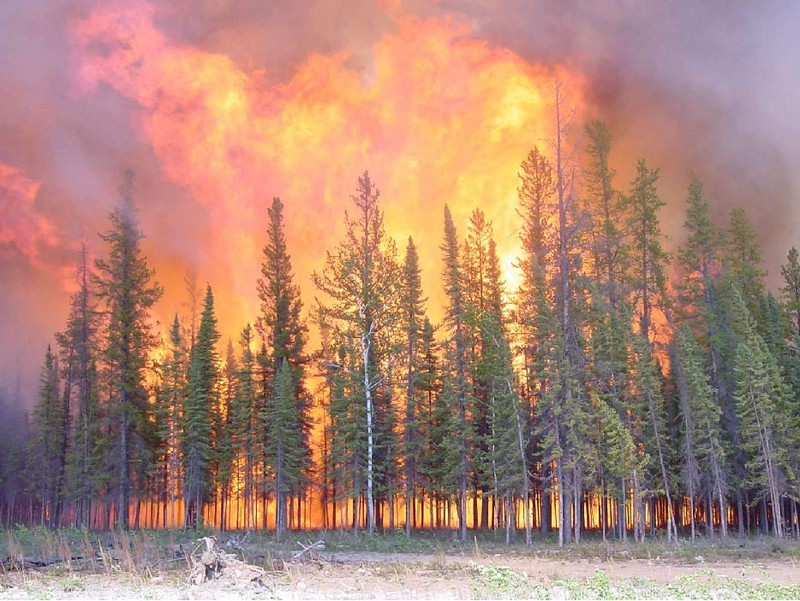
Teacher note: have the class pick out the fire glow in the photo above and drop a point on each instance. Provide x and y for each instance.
(437, 116)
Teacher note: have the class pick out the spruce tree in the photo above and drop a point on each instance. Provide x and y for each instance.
(284, 333)
(702, 438)
(456, 378)
(47, 445)
(766, 421)
(361, 280)
(78, 349)
(199, 414)
(171, 400)
(127, 293)
(412, 305)
(790, 291)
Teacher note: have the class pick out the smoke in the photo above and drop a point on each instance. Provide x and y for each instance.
(220, 105)
(708, 87)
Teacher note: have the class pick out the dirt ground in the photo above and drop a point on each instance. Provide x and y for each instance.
(395, 576)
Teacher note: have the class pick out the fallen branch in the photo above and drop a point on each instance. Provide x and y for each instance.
(215, 564)
(310, 548)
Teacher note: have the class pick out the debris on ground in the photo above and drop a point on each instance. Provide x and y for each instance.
(215, 565)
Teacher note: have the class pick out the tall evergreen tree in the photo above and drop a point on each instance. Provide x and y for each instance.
(171, 400)
(284, 332)
(412, 305)
(78, 344)
(648, 288)
(127, 293)
(361, 281)
(456, 376)
(766, 421)
(790, 291)
(48, 444)
(199, 415)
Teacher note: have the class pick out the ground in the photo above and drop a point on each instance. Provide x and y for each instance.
(157, 566)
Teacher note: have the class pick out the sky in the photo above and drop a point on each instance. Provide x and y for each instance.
(218, 106)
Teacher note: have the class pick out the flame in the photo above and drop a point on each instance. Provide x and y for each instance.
(21, 226)
(436, 116)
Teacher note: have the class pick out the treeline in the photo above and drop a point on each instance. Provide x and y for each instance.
(618, 389)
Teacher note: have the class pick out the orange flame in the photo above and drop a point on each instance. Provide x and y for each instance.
(437, 116)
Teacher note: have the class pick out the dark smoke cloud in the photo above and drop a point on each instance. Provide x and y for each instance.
(706, 86)
(710, 87)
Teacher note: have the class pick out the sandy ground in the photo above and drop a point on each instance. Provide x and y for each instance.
(372, 576)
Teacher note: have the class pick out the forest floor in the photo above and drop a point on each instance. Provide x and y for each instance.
(157, 565)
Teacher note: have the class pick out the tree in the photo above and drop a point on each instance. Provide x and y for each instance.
(648, 286)
(78, 349)
(48, 443)
(456, 382)
(361, 281)
(282, 328)
(127, 294)
(282, 447)
(199, 414)
(413, 319)
(171, 401)
(791, 289)
(703, 451)
(761, 397)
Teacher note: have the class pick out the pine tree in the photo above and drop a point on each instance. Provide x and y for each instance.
(412, 303)
(78, 349)
(225, 436)
(533, 313)
(791, 290)
(648, 288)
(456, 378)
(287, 456)
(743, 257)
(766, 421)
(607, 211)
(171, 400)
(48, 444)
(127, 294)
(199, 415)
(284, 332)
(361, 281)
(703, 451)
(248, 431)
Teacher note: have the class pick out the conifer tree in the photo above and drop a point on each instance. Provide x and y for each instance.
(361, 282)
(248, 425)
(78, 345)
(533, 312)
(703, 451)
(46, 451)
(127, 293)
(287, 456)
(766, 421)
(283, 330)
(743, 257)
(412, 304)
(225, 435)
(456, 377)
(171, 400)
(648, 289)
(790, 291)
(199, 414)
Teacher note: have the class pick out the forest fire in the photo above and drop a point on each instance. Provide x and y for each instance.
(437, 117)
(392, 283)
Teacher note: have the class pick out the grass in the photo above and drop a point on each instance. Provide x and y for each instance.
(140, 558)
(497, 582)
